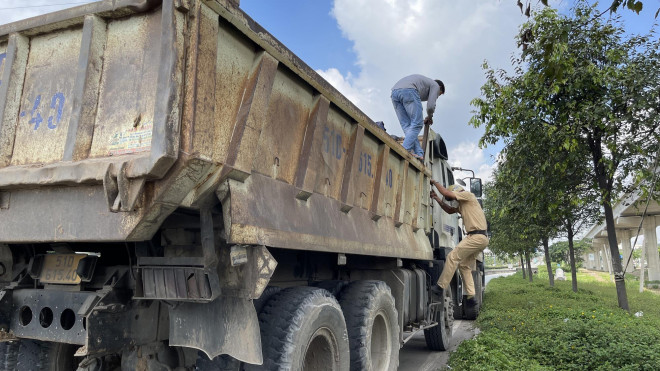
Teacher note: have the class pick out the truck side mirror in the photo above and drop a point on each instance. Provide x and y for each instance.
(475, 186)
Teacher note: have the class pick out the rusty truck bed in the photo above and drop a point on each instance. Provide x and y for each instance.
(116, 113)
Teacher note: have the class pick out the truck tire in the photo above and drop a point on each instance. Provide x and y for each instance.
(8, 355)
(220, 363)
(333, 286)
(265, 296)
(373, 325)
(471, 312)
(303, 328)
(438, 337)
(457, 294)
(36, 355)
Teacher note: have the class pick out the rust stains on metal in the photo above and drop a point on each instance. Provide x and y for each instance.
(269, 43)
(278, 148)
(317, 121)
(350, 171)
(252, 114)
(317, 225)
(381, 181)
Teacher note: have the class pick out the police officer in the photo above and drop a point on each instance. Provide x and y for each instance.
(472, 245)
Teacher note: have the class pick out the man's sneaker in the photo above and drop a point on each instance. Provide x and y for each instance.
(471, 301)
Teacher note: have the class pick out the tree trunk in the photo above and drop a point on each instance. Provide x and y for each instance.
(641, 268)
(548, 263)
(571, 255)
(522, 265)
(619, 281)
(529, 266)
(605, 188)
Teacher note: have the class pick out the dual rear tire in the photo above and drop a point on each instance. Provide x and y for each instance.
(303, 328)
(29, 355)
(373, 325)
(306, 328)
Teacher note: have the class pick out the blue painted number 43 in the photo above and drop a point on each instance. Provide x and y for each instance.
(56, 107)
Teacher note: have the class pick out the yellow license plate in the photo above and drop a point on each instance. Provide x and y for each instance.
(61, 268)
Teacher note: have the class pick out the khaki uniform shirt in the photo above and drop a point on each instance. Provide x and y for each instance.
(473, 216)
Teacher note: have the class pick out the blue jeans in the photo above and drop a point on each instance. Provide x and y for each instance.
(408, 108)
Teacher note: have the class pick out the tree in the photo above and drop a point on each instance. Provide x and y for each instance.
(590, 88)
(512, 234)
(547, 183)
(559, 251)
(633, 5)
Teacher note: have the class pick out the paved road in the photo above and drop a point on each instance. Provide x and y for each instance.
(491, 276)
(414, 356)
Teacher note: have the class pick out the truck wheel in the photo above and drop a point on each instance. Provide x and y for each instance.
(303, 328)
(8, 355)
(438, 337)
(220, 363)
(265, 296)
(45, 356)
(457, 294)
(471, 312)
(373, 325)
(333, 286)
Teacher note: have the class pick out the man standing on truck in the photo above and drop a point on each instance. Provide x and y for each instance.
(472, 245)
(407, 96)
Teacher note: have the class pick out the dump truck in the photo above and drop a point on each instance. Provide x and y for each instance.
(179, 190)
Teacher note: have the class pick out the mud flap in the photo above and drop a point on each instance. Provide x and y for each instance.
(227, 325)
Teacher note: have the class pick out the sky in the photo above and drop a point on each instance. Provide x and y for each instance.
(363, 47)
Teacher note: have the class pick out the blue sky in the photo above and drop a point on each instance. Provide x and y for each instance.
(363, 47)
(330, 36)
(308, 29)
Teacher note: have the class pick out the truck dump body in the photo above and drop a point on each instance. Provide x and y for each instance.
(178, 188)
(117, 113)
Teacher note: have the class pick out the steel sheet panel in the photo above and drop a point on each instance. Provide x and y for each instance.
(391, 180)
(281, 137)
(363, 184)
(127, 96)
(329, 152)
(235, 57)
(46, 102)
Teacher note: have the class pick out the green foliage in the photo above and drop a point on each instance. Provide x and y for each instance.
(582, 93)
(634, 5)
(534, 326)
(559, 251)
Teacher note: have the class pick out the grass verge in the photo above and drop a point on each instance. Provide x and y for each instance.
(532, 326)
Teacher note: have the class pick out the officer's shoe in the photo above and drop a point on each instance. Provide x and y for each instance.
(438, 292)
(470, 301)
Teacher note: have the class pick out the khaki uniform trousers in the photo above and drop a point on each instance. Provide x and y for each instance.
(463, 256)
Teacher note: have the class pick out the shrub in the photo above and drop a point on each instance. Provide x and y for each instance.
(532, 326)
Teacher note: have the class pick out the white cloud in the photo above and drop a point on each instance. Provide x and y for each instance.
(358, 96)
(468, 155)
(15, 10)
(448, 40)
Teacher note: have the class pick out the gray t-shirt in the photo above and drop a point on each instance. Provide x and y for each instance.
(428, 89)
